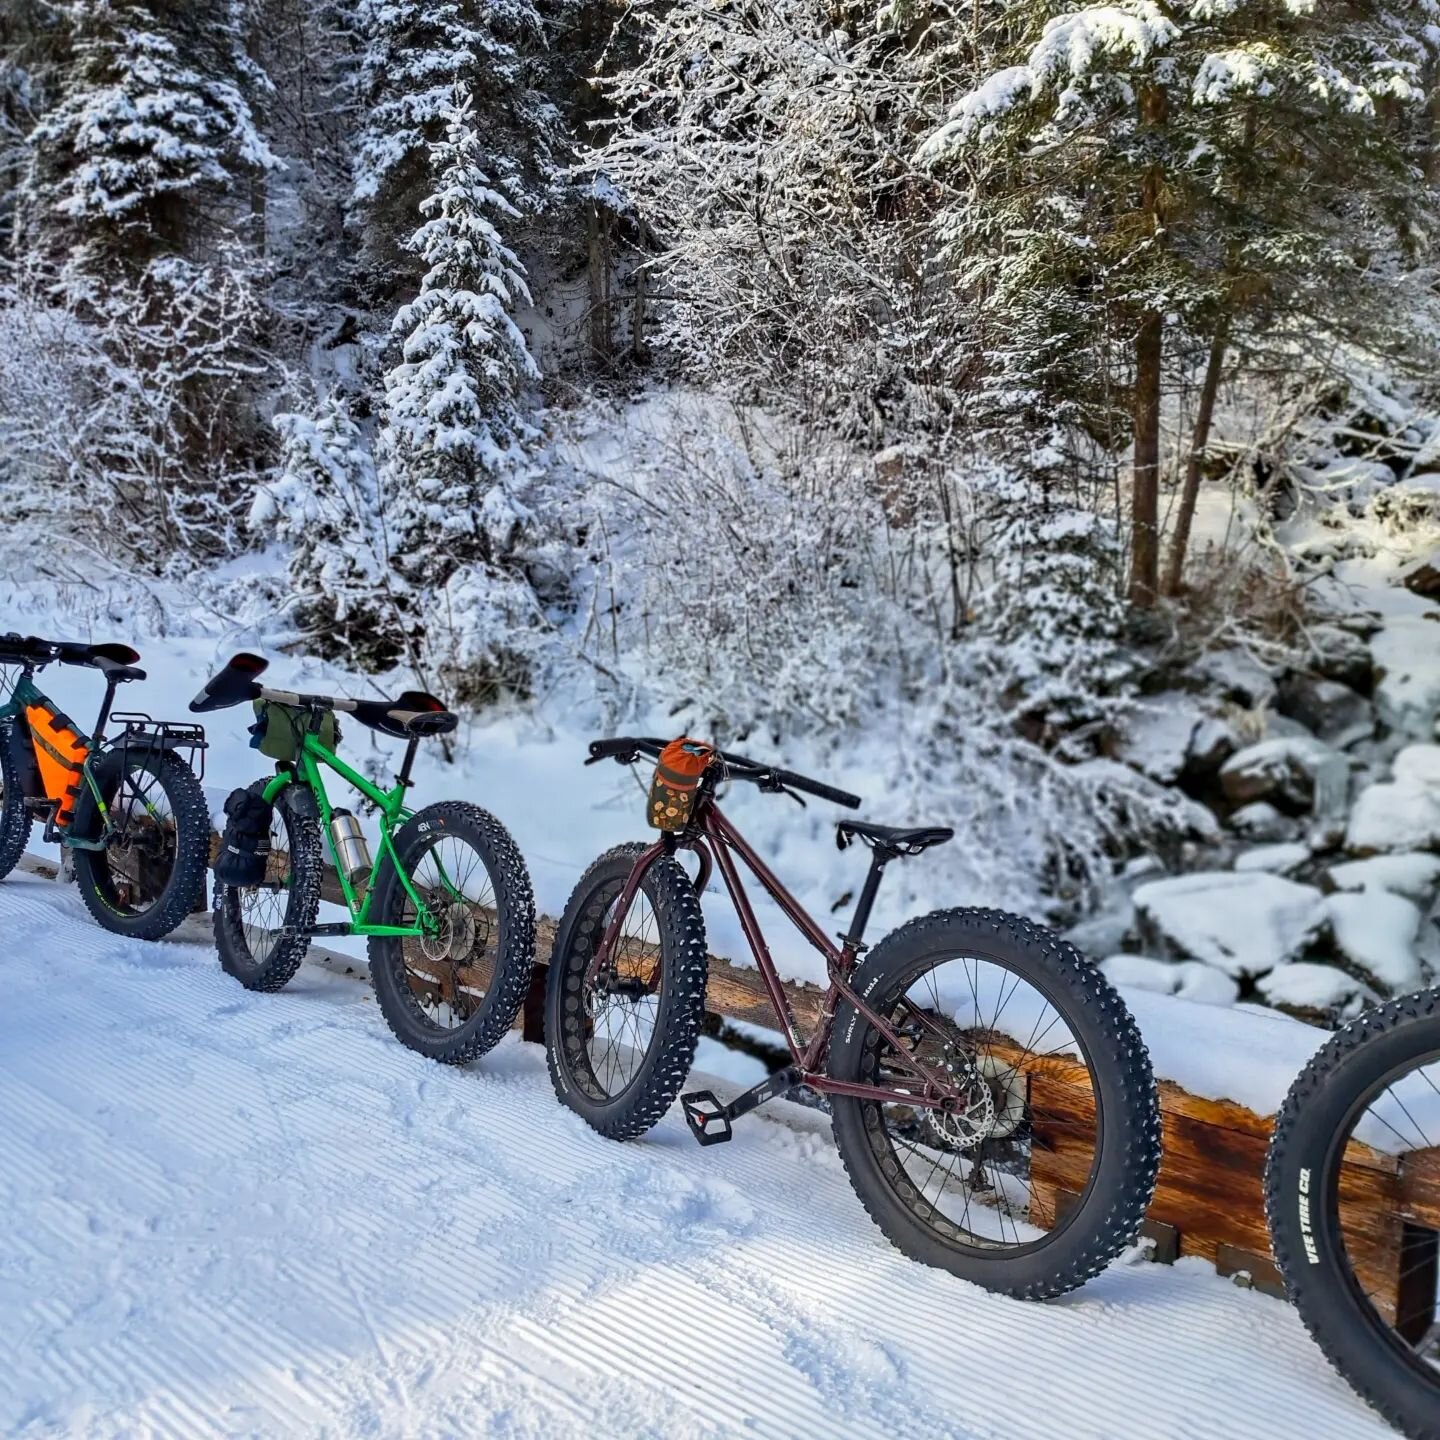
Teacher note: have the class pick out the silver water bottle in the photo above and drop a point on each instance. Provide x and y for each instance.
(352, 854)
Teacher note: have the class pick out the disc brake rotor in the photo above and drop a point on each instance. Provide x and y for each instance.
(990, 1104)
(455, 931)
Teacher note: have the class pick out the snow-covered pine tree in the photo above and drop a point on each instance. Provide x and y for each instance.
(1131, 166)
(150, 146)
(326, 505)
(455, 434)
(415, 57)
(32, 45)
(138, 211)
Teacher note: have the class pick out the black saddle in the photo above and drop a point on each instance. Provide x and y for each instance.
(413, 713)
(895, 839)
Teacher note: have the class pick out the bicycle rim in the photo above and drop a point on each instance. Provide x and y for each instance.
(1024, 1112)
(450, 968)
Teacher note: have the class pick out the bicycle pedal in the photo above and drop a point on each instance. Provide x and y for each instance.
(706, 1117)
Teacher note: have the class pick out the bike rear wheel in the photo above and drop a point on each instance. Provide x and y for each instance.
(151, 873)
(263, 931)
(1375, 1084)
(1037, 1172)
(620, 1048)
(453, 994)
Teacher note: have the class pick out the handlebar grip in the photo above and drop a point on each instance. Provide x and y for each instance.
(622, 745)
(819, 790)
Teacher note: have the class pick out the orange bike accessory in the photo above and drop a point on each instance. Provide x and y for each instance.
(60, 752)
(677, 777)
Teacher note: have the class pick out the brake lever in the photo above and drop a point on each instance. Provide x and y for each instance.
(771, 786)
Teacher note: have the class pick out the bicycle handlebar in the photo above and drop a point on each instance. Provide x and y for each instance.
(32, 650)
(626, 749)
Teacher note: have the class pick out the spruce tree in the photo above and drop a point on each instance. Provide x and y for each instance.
(1131, 167)
(455, 434)
(415, 56)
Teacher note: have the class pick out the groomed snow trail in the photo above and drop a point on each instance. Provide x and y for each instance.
(231, 1214)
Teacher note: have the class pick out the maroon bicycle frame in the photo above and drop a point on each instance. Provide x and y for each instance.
(717, 842)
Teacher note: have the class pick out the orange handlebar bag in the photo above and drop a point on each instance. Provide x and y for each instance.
(677, 777)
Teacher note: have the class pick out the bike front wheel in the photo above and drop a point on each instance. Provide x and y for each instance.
(263, 931)
(452, 993)
(15, 819)
(1038, 1170)
(1367, 1293)
(621, 1046)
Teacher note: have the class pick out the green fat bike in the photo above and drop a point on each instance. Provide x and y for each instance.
(446, 903)
(128, 810)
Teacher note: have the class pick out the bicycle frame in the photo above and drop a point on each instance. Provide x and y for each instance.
(24, 693)
(717, 843)
(390, 804)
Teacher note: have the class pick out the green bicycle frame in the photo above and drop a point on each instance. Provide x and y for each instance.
(392, 810)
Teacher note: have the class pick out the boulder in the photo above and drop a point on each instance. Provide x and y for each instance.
(1315, 993)
(1375, 931)
(1341, 655)
(1326, 708)
(1282, 770)
(1402, 813)
(1212, 743)
(1238, 676)
(1243, 924)
(1262, 821)
(1424, 579)
(1187, 979)
(1407, 672)
(1274, 859)
(1413, 875)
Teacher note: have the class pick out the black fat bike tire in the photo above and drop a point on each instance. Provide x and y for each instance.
(184, 891)
(515, 952)
(15, 819)
(661, 1074)
(1310, 1132)
(1108, 1215)
(301, 831)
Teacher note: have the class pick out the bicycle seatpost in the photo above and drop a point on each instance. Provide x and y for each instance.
(855, 936)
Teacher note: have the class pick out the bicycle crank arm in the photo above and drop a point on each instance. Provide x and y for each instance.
(710, 1122)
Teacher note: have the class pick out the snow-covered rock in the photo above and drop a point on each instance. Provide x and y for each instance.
(1388, 816)
(1239, 676)
(1158, 735)
(1330, 710)
(1276, 859)
(1340, 654)
(1376, 932)
(1244, 924)
(1282, 769)
(1415, 876)
(1407, 657)
(1311, 989)
(1213, 742)
(1403, 813)
(1187, 979)
(1260, 820)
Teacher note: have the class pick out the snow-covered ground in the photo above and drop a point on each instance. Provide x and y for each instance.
(230, 1214)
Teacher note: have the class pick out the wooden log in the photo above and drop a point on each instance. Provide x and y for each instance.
(1210, 1187)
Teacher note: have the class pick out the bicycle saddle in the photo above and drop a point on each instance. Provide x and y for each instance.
(902, 840)
(412, 714)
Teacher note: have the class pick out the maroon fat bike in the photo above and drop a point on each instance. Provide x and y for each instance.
(990, 1095)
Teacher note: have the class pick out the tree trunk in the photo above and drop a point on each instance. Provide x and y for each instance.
(1145, 485)
(599, 282)
(1200, 438)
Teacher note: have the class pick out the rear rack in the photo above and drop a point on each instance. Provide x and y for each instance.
(172, 734)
